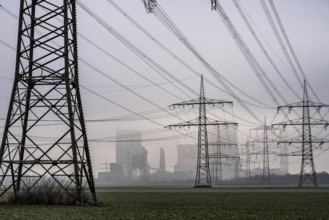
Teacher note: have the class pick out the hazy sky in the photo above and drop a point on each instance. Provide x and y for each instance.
(306, 24)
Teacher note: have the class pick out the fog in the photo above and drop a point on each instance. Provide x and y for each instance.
(123, 84)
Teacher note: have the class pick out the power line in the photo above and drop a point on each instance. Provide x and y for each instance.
(175, 56)
(132, 70)
(164, 18)
(138, 86)
(117, 82)
(120, 84)
(256, 67)
(254, 64)
(122, 63)
(133, 48)
(126, 42)
(128, 109)
(263, 48)
(259, 31)
(122, 119)
(278, 37)
(139, 74)
(291, 48)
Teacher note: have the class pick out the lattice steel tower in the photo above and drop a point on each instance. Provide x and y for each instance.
(264, 139)
(217, 156)
(248, 173)
(218, 163)
(45, 135)
(266, 159)
(307, 169)
(202, 178)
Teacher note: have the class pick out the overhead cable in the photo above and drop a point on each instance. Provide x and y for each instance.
(131, 69)
(123, 86)
(133, 48)
(263, 49)
(276, 14)
(161, 15)
(279, 39)
(254, 64)
(172, 54)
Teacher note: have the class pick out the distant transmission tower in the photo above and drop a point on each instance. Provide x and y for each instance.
(307, 170)
(218, 164)
(237, 168)
(203, 178)
(45, 135)
(265, 140)
(248, 173)
(217, 156)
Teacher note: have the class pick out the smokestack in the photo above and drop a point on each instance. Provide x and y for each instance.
(162, 166)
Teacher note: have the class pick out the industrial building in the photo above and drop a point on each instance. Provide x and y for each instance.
(130, 153)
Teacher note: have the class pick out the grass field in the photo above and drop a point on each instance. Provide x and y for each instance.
(187, 203)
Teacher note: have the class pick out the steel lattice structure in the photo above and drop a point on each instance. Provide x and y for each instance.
(307, 170)
(45, 135)
(248, 173)
(218, 156)
(219, 164)
(264, 139)
(219, 171)
(203, 178)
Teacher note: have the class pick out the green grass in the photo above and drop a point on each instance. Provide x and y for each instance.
(208, 204)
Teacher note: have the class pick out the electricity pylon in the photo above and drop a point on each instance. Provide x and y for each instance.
(219, 170)
(218, 155)
(45, 135)
(307, 170)
(264, 139)
(236, 166)
(202, 178)
(248, 173)
(218, 164)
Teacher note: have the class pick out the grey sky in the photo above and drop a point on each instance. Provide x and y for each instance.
(306, 23)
